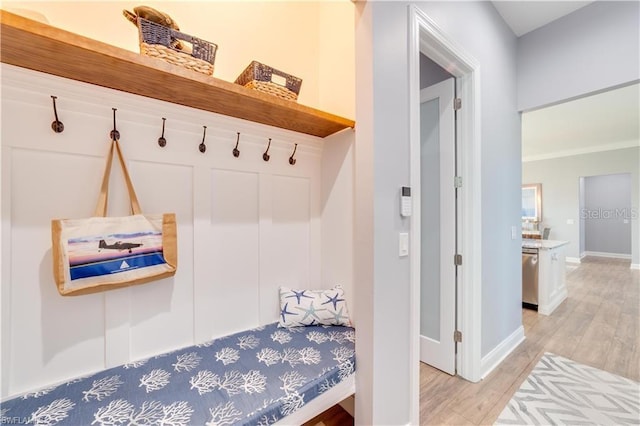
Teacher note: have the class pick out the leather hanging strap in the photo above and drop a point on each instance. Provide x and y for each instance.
(101, 207)
(135, 205)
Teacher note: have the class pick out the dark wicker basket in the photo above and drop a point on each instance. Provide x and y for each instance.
(266, 79)
(160, 42)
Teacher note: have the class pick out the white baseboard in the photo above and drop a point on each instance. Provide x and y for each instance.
(573, 259)
(605, 254)
(635, 266)
(490, 361)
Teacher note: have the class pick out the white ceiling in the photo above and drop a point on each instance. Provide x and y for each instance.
(608, 120)
(525, 16)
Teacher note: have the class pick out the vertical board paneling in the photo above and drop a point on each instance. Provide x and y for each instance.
(204, 317)
(245, 226)
(233, 237)
(337, 214)
(117, 320)
(168, 321)
(46, 346)
(287, 259)
(268, 310)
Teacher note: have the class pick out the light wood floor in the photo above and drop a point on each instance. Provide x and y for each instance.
(598, 325)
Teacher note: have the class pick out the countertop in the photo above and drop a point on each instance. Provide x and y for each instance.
(543, 244)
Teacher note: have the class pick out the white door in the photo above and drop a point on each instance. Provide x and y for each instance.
(437, 214)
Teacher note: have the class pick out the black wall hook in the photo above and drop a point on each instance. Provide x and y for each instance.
(266, 155)
(115, 134)
(292, 160)
(56, 125)
(161, 140)
(202, 147)
(236, 151)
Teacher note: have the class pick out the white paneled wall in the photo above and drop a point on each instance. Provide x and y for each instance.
(245, 226)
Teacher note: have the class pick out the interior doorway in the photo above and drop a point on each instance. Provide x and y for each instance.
(427, 38)
(606, 215)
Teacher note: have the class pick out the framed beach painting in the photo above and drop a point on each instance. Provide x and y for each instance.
(532, 202)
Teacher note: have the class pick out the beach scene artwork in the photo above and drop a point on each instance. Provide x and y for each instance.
(113, 253)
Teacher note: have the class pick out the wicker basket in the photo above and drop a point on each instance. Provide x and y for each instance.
(158, 41)
(265, 79)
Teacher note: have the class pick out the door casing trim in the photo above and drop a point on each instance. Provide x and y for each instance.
(427, 38)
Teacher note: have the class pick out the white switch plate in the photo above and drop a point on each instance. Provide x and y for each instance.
(514, 232)
(569, 221)
(403, 244)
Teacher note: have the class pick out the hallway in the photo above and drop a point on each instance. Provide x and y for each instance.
(598, 325)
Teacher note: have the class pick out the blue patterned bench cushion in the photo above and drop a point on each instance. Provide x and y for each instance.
(255, 377)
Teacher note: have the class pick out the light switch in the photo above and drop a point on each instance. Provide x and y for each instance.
(403, 246)
(514, 232)
(569, 221)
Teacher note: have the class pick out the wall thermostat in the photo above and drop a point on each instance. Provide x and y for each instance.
(405, 201)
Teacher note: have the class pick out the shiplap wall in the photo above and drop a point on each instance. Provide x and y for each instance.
(245, 226)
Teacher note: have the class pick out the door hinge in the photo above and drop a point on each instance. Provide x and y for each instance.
(457, 336)
(457, 104)
(457, 259)
(457, 182)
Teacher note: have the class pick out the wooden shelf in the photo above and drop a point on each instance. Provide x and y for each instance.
(40, 47)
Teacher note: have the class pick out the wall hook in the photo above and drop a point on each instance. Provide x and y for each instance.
(266, 155)
(202, 147)
(161, 140)
(292, 160)
(115, 134)
(236, 151)
(56, 125)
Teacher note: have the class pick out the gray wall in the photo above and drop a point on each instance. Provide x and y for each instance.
(495, 50)
(582, 218)
(431, 73)
(594, 48)
(607, 212)
(561, 187)
(382, 153)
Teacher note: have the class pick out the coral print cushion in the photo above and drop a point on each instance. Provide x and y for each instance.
(300, 308)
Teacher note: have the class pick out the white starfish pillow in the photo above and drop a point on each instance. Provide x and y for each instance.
(301, 308)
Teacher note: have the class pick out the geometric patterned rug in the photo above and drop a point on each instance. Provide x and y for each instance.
(561, 392)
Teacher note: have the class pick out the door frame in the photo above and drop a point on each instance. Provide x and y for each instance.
(426, 37)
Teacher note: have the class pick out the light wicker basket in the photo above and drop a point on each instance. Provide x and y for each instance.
(269, 80)
(159, 41)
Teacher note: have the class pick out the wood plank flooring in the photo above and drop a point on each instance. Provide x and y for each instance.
(598, 325)
(334, 416)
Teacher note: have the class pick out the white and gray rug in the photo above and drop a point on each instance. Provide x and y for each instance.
(560, 391)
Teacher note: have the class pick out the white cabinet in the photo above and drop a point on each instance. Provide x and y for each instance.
(551, 279)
